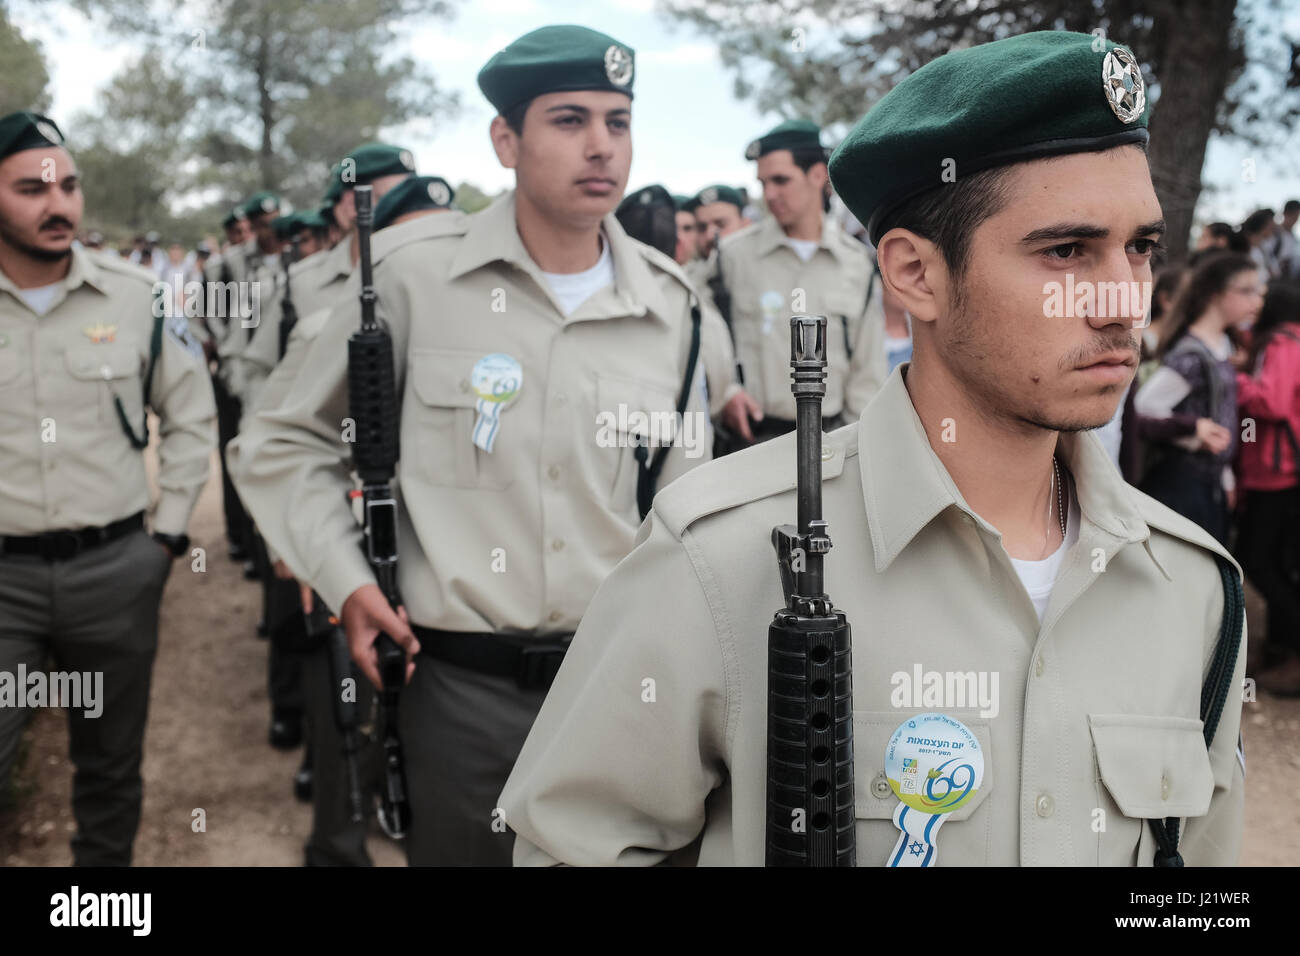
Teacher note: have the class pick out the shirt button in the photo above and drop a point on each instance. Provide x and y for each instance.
(1045, 806)
(554, 472)
(827, 453)
(464, 385)
(1038, 666)
(554, 616)
(557, 544)
(1164, 786)
(880, 786)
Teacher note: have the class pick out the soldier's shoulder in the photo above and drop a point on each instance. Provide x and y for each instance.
(1171, 530)
(119, 268)
(661, 263)
(308, 263)
(748, 477)
(741, 239)
(424, 234)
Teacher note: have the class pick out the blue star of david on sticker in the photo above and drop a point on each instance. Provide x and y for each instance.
(916, 848)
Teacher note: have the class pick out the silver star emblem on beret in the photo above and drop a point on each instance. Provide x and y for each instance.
(268, 204)
(1121, 81)
(406, 159)
(618, 65)
(49, 132)
(709, 196)
(438, 193)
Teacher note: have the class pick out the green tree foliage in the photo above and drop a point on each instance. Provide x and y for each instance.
(24, 79)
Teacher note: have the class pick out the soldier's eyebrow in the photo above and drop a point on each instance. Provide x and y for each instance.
(1084, 230)
(620, 111)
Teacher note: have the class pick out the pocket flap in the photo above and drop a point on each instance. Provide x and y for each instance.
(634, 396)
(1153, 766)
(441, 377)
(872, 797)
(102, 362)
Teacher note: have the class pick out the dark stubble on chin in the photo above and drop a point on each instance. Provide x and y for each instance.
(14, 241)
(973, 372)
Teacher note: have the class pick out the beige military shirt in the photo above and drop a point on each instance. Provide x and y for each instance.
(768, 283)
(1094, 726)
(65, 460)
(262, 285)
(315, 282)
(512, 539)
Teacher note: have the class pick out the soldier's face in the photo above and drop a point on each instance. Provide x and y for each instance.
(237, 232)
(40, 202)
(573, 158)
(790, 193)
(1023, 333)
(715, 220)
(686, 238)
(345, 212)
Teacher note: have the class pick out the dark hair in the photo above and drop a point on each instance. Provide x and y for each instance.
(949, 215)
(1257, 220)
(1292, 205)
(806, 157)
(1219, 230)
(1167, 281)
(514, 116)
(1281, 304)
(654, 223)
(1209, 277)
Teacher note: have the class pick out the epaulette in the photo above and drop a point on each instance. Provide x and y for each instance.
(120, 266)
(752, 474)
(1164, 519)
(436, 225)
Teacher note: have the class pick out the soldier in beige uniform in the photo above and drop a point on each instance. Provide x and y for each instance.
(994, 566)
(83, 353)
(535, 344)
(798, 259)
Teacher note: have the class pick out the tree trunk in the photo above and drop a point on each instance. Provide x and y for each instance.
(1194, 74)
(266, 157)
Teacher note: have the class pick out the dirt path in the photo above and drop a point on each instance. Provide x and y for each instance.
(206, 745)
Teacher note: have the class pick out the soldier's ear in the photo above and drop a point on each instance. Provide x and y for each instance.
(914, 272)
(505, 141)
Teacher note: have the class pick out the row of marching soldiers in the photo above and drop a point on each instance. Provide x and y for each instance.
(296, 265)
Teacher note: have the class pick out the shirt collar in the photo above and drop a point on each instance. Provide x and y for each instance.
(493, 237)
(905, 485)
(83, 270)
(771, 236)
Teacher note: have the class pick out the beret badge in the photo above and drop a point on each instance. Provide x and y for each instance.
(618, 65)
(1121, 80)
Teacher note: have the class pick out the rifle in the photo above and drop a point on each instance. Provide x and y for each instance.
(372, 405)
(323, 625)
(810, 820)
(288, 311)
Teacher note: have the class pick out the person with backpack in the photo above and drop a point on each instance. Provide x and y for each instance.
(1268, 396)
(1193, 394)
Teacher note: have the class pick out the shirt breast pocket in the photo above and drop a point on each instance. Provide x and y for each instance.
(1148, 768)
(103, 374)
(962, 839)
(438, 427)
(631, 412)
(10, 366)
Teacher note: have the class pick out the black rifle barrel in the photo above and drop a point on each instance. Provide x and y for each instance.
(372, 403)
(810, 819)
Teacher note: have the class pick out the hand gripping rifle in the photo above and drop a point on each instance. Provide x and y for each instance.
(810, 820)
(372, 405)
(288, 311)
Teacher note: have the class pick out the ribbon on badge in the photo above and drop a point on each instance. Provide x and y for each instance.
(496, 380)
(934, 765)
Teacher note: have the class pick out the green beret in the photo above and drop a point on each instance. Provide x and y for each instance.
(410, 195)
(711, 194)
(554, 59)
(24, 130)
(1026, 97)
(234, 216)
(646, 196)
(683, 203)
(334, 191)
(285, 226)
(368, 162)
(260, 203)
(792, 134)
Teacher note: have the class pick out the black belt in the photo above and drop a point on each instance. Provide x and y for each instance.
(65, 545)
(531, 661)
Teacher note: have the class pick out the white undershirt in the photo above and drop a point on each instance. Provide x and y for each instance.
(40, 297)
(1039, 577)
(803, 248)
(572, 289)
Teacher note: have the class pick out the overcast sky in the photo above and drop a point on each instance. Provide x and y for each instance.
(688, 130)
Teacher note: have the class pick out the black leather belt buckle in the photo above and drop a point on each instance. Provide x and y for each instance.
(539, 663)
